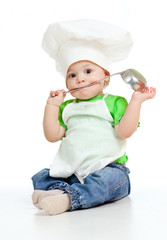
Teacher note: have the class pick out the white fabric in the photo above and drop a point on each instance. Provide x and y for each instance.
(78, 50)
(86, 39)
(90, 143)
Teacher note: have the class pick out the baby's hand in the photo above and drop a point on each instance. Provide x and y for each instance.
(56, 98)
(148, 93)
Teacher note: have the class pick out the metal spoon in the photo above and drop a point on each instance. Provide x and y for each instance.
(130, 76)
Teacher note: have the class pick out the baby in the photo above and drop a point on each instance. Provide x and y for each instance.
(89, 167)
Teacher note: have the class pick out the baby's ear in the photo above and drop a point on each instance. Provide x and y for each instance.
(106, 73)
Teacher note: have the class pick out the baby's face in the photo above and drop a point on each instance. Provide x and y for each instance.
(83, 73)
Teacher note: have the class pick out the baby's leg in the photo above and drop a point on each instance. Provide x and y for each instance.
(106, 185)
(42, 183)
(38, 195)
(57, 204)
(51, 201)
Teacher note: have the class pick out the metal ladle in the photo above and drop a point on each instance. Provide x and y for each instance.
(135, 79)
(130, 76)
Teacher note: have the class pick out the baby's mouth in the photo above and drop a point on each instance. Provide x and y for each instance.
(88, 85)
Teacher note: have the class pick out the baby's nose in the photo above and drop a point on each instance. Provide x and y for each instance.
(80, 80)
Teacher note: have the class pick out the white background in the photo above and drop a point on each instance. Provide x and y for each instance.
(27, 74)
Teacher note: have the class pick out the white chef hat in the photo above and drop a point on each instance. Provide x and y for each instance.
(86, 39)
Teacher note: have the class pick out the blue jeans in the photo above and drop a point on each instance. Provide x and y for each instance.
(106, 185)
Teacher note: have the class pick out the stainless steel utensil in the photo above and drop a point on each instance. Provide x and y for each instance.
(135, 79)
(130, 76)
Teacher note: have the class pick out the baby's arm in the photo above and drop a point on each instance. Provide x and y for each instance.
(129, 122)
(52, 129)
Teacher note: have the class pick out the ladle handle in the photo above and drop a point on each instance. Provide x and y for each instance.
(91, 84)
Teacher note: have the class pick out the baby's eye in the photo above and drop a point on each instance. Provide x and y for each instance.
(88, 71)
(72, 75)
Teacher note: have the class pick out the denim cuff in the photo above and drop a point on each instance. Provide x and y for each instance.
(74, 193)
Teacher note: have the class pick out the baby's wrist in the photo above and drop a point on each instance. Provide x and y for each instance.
(136, 101)
(52, 105)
